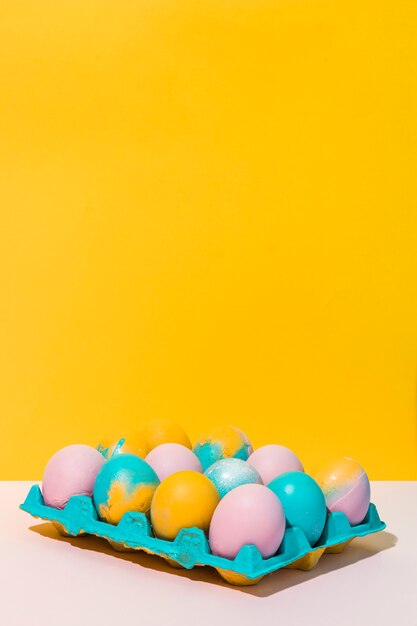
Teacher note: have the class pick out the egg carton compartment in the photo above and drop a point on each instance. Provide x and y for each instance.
(190, 548)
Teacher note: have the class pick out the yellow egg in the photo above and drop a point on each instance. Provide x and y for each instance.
(183, 500)
(124, 443)
(158, 431)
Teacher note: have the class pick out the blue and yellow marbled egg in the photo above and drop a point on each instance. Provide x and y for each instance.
(124, 483)
(221, 443)
(227, 474)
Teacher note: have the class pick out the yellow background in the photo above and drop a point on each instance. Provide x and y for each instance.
(208, 212)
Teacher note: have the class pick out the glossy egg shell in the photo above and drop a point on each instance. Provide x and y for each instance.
(303, 502)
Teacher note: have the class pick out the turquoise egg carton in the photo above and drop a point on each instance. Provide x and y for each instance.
(190, 548)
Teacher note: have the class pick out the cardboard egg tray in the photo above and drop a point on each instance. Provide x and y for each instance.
(190, 548)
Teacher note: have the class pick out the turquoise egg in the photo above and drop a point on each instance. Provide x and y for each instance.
(124, 483)
(303, 502)
(227, 474)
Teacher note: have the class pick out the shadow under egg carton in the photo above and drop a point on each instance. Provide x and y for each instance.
(190, 548)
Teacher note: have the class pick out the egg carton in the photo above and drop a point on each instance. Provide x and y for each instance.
(190, 548)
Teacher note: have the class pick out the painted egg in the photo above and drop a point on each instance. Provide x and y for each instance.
(346, 488)
(70, 472)
(183, 500)
(158, 431)
(250, 448)
(221, 443)
(227, 474)
(124, 483)
(303, 502)
(127, 443)
(249, 514)
(169, 458)
(272, 460)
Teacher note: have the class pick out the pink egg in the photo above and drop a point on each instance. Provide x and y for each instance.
(168, 458)
(70, 472)
(249, 514)
(272, 460)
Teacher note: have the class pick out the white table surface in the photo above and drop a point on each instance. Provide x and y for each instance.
(48, 580)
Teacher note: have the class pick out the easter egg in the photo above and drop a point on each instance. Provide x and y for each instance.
(346, 488)
(220, 443)
(303, 502)
(272, 460)
(227, 474)
(158, 431)
(70, 472)
(169, 458)
(127, 443)
(124, 483)
(250, 448)
(249, 514)
(183, 500)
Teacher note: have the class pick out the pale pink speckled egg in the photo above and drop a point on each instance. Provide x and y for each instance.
(272, 460)
(168, 458)
(70, 472)
(249, 514)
